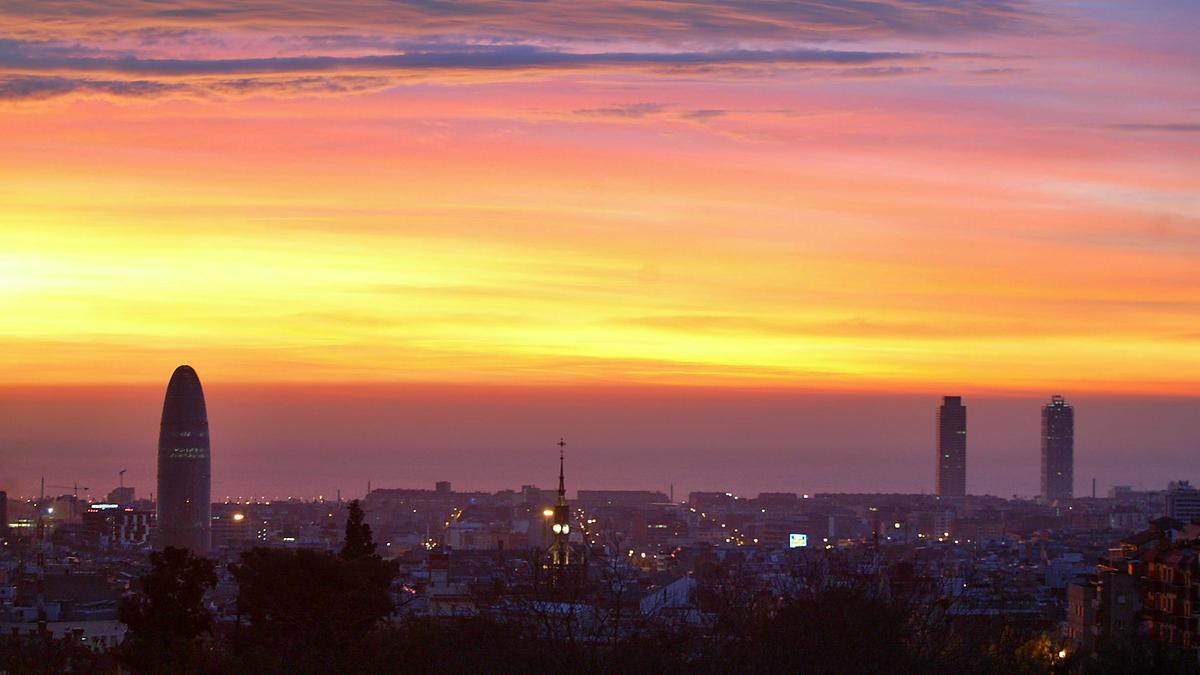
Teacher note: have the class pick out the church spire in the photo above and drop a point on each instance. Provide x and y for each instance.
(562, 488)
(562, 559)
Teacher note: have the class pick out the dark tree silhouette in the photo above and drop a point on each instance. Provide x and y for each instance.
(308, 611)
(1140, 657)
(48, 655)
(358, 543)
(311, 611)
(166, 615)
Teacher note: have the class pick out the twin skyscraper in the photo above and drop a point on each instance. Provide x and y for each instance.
(1058, 448)
(952, 447)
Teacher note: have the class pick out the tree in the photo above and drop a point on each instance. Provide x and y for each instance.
(44, 653)
(312, 611)
(1138, 657)
(307, 611)
(358, 543)
(166, 615)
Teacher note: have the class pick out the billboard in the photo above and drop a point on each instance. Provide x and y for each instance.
(797, 540)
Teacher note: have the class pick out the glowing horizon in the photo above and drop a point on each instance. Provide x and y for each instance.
(904, 197)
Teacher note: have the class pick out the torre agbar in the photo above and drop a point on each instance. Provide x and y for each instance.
(184, 466)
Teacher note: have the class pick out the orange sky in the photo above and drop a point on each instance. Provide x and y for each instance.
(900, 199)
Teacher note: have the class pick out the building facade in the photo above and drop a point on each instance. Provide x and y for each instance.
(1058, 450)
(184, 467)
(1145, 590)
(1172, 595)
(1103, 609)
(114, 526)
(1183, 501)
(952, 447)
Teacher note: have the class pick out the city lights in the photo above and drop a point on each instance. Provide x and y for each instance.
(577, 336)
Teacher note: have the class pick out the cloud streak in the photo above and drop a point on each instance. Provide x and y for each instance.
(41, 88)
(45, 70)
(631, 110)
(666, 21)
(142, 48)
(1177, 127)
(16, 57)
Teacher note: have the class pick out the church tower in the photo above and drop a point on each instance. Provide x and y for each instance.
(562, 561)
(560, 548)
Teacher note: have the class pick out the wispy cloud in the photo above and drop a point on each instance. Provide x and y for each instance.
(721, 324)
(883, 71)
(997, 71)
(36, 58)
(1176, 127)
(616, 21)
(142, 48)
(703, 114)
(41, 88)
(629, 110)
(40, 69)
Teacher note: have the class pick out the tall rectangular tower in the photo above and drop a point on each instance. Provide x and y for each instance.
(1058, 450)
(952, 447)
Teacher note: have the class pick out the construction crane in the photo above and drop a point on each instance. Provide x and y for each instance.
(75, 493)
(74, 488)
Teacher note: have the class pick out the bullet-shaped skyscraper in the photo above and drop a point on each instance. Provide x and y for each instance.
(1058, 449)
(952, 447)
(184, 467)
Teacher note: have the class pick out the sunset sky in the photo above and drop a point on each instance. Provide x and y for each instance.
(633, 203)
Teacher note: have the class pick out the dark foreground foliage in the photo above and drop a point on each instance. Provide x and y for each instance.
(307, 611)
(46, 654)
(337, 625)
(165, 615)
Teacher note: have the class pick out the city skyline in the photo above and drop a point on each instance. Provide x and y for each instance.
(435, 452)
(403, 240)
